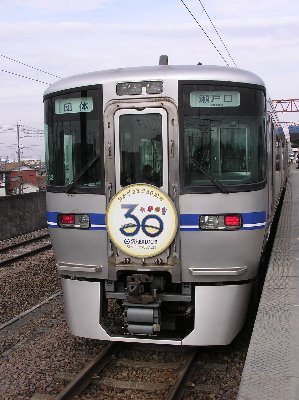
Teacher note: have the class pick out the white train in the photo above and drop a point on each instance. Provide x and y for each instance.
(162, 184)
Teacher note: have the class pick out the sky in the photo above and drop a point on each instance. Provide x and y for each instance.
(68, 37)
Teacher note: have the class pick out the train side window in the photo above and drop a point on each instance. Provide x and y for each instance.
(278, 154)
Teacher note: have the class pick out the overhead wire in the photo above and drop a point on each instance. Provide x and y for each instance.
(30, 130)
(215, 47)
(217, 33)
(24, 76)
(273, 112)
(29, 66)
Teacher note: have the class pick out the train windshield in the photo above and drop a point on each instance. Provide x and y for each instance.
(223, 136)
(73, 130)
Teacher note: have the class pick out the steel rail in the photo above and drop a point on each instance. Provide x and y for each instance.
(84, 377)
(26, 241)
(177, 390)
(23, 314)
(14, 245)
(25, 254)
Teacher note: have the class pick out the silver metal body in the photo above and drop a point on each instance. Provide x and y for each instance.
(216, 267)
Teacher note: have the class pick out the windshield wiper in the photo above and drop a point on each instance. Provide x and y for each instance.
(81, 173)
(210, 176)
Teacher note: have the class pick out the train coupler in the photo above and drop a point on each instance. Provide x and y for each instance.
(143, 319)
(143, 289)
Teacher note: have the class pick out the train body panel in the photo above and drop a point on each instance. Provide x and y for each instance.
(214, 306)
(162, 186)
(170, 74)
(67, 243)
(198, 246)
(217, 251)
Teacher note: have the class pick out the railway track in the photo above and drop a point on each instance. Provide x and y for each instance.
(16, 251)
(95, 375)
(29, 311)
(29, 325)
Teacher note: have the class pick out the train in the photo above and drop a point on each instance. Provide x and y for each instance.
(162, 185)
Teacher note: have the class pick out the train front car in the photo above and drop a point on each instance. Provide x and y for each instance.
(157, 200)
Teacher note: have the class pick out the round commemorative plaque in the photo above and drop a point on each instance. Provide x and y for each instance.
(141, 220)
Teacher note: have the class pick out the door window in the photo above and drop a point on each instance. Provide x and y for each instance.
(142, 148)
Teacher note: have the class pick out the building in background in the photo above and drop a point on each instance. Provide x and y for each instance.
(20, 178)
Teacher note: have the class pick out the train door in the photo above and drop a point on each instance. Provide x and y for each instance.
(141, 146)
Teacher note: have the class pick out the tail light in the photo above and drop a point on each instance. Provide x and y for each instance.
(232, 221)
(67, 219)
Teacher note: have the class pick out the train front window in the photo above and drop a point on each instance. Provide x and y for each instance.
(223, 136)
(74, 141)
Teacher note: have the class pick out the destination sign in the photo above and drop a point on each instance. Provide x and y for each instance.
(74, 105)
(215, 99)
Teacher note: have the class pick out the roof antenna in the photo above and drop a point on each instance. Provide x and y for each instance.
(163, 60)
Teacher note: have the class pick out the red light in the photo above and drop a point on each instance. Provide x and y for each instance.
(232, 220)
(67, 219)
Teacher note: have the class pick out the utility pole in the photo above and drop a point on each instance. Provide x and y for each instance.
(5, 176)
(19, 159)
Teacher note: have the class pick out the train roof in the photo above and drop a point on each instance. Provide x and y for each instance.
(160, 72)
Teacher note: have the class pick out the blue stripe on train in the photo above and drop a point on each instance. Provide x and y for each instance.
(251, 220)
(188, 222)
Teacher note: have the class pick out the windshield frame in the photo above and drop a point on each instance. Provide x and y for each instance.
(162, 182)
(211, 188)
(77, 188)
